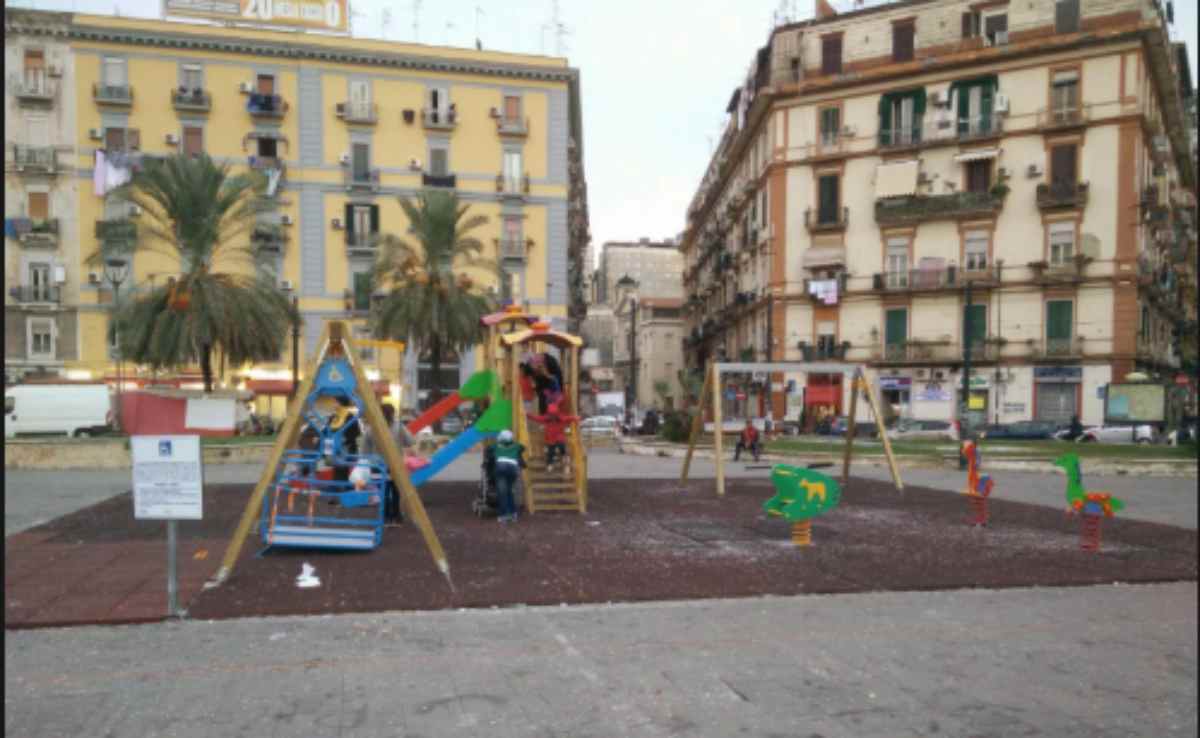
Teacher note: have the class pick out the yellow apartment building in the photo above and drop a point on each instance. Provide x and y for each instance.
(343, 127)
(878, 161)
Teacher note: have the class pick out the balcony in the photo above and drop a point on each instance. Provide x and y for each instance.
(361, 113)
(826, 221)
(984, 126)
(267, 239)
(1050, 349)
(35, 159)
(512, 126)
(449, 181)
(265, 163)
(435, 119)
(117, 229)
(34, 88)
(954, 206)
(513, 248)
(36, 295)
(926, 132)
(40, 233)
(918, 351)
(1057, 119)
(121, 95)
(511, 186)
(1062, 195)
(261, 105)
(194, 100)
(1053, 272)
(823, 351)
(901, 137)
(362, 180)
(914, 280)
(362, 244)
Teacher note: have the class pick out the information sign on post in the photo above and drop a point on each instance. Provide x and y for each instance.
(168, 485)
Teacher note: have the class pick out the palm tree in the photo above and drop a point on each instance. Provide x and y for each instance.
(428, 304)
(198, 214)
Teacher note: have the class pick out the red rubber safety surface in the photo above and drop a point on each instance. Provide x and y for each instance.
(641, 540)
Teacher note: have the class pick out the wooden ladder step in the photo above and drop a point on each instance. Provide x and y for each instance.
(556, 507)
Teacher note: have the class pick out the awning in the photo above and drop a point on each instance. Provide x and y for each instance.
(824, 256)
(898, 179)
(977, 155)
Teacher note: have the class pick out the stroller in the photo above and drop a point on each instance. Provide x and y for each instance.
(486, 504)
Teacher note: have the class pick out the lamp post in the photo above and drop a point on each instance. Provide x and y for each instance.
(116, 270)
(295, 347)
(966, 376)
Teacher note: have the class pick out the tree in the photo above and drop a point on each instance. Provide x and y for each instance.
(200, 216)
(427, 303)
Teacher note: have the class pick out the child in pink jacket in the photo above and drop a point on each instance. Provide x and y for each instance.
(555, 423)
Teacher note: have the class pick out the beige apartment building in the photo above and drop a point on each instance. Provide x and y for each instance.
(647, 347)
(881, 165)
(655, 265)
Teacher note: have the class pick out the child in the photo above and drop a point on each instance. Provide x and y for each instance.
(509, 460)
(555, 423)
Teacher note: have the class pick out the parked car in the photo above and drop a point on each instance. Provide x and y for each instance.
(1023, 430)
(909, 428)
(600, 425)
(71, 409)
(862, 429)
(1113, 434)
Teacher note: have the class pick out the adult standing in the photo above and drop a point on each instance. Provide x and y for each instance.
(509, 461)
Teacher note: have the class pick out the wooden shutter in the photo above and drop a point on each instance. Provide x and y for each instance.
(362, 161)
(979, 175)
(1058, 319)
(362, 290)
(831, 55)
(374, 219)
(1062, 164)
(968, 25)
(885, 120)
(437, 162)
(133, 137)
(896, 326)
(266, 84)
(34, 59)
(114, 139)
(512, 107)
(903, 41)
(828, 194)
(39, 205)
(1066, 16)
(975, 325)
(349, 220)
(193, 140)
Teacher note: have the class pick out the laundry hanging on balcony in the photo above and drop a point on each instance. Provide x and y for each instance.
(110, 171)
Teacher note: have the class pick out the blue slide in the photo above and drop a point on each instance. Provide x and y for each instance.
(451, 451)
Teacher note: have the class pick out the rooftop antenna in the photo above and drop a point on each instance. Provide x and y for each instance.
(354, 14)
(385, 21)
(559, 28)
(416, 21)
(478, 39)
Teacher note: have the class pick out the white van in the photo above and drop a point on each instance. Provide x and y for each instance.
(73, 409)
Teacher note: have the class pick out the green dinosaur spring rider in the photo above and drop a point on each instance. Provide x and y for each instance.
(800, 496)
(1095, 506)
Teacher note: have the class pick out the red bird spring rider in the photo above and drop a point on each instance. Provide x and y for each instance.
(979, 486)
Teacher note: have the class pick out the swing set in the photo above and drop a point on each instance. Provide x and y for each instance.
(712, 389)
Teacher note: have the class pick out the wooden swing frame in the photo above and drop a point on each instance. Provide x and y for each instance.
(712, 387)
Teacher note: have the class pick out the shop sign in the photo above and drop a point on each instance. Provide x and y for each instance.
(1057, 374)
(932, 393)
(977, 402)
(895, 383)
(1014, 407)
(978, 382)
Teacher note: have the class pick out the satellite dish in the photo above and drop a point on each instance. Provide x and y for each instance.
(1090, 245)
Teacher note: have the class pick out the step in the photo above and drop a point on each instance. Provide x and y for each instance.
(551, 485)
(301, 536)
(556, 507)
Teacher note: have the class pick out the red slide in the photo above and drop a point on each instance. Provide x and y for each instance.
(443, 406)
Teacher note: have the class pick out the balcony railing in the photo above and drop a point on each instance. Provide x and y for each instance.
(917, 351)
(120, 229)
(824, 221)
(357, 112)
(823, 351)
(438, 119)
(918, 208)
(113, 94)
(983, 126)
(266, 106)
(361, 179)
(194, 100)
(1062, 195)
(449, 181)
(40, 232)
(362, 242)
(901, 136)
(512, 126)
(264, 163)
(44, 294)
(1057, 118)
(512, 248)
(35, 158)
(1070, 269)
(34, 87)
(1058, 348)
(267, 239)
(926, 131)
(512, 186)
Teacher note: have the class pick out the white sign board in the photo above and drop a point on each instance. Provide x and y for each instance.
(167, 483)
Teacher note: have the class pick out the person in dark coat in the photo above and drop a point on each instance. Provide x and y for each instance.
(1076, 429)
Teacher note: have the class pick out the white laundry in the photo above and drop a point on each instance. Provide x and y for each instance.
(273, 181)
(308, 577)
(99, 170)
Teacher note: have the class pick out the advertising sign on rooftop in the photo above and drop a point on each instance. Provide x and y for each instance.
(324, 15)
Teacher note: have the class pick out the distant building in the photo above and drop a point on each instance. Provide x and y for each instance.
(657, 267)
(647, 346)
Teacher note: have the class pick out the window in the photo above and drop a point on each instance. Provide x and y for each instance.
(193, 140)
(39, 205)
(115, 207)
(438, 162)
(1062, 165)
(35, 70)
(39, 281)
(512, 109)
(362, 291)
(995, 28)
(1064, 95)
(1066, 16)
(895, 332)
(1059, 315)
(266, 84)
(114, 72)
(360, 94)
(439, 105)
(829, 204)
(975, 325)
(979, 175)
(900, 117)
(41, 338)
(1062, 242)
(121, 139)
(268, 147)
(512, 171)
(972, 24)
(362, 224)
(897, 262)
(975, 251)
(903, 41)
(831, 54)
(831, 125)
(360, 161)
(512, 232)
(191, 77)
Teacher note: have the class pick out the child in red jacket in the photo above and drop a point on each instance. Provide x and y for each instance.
(555, 423)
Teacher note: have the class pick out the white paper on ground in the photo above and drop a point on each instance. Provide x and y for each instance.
(307, 577)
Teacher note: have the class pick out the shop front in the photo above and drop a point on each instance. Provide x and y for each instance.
(896, 392)
(822, 399)
(1056, 393)
(977, 402)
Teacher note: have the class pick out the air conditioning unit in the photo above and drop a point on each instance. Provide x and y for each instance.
(337, 224)
(939, 374)
(1000, 38)
(286, 219)
(285, 285)
(96, 134)
(93, 277)
(1034, 170)
(1003, 172)
(414, 165)
(940, 98)
(246, 88)
(1001, 103)
(849, 131)
(921, 374)
(344, 160)
(54, 70)
(134, 211)
(172, 139)
(340, 110)
(495, 112)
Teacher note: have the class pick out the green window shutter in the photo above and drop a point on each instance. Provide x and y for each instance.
(362, 290)
(1058, 319)
(374, 219)
(828, 205)
(964, 108)
(885, 119)
(918, 97)
(896, 327)
(976, 324)
(349, 219)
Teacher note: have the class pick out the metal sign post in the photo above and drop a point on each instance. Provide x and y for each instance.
(168, 485)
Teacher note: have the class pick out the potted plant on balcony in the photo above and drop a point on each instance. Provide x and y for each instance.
(999, 190)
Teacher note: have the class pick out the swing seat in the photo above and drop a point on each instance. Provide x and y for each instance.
(319, 537)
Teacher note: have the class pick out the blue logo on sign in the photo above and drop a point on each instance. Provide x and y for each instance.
(164, 448)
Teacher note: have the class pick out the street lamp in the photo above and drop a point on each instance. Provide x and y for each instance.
(116, 270)
(295, 347)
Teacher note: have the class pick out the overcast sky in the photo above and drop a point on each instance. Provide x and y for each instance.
(655, 74)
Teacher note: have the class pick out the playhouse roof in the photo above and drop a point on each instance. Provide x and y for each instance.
(500, 317)
(554, 338)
